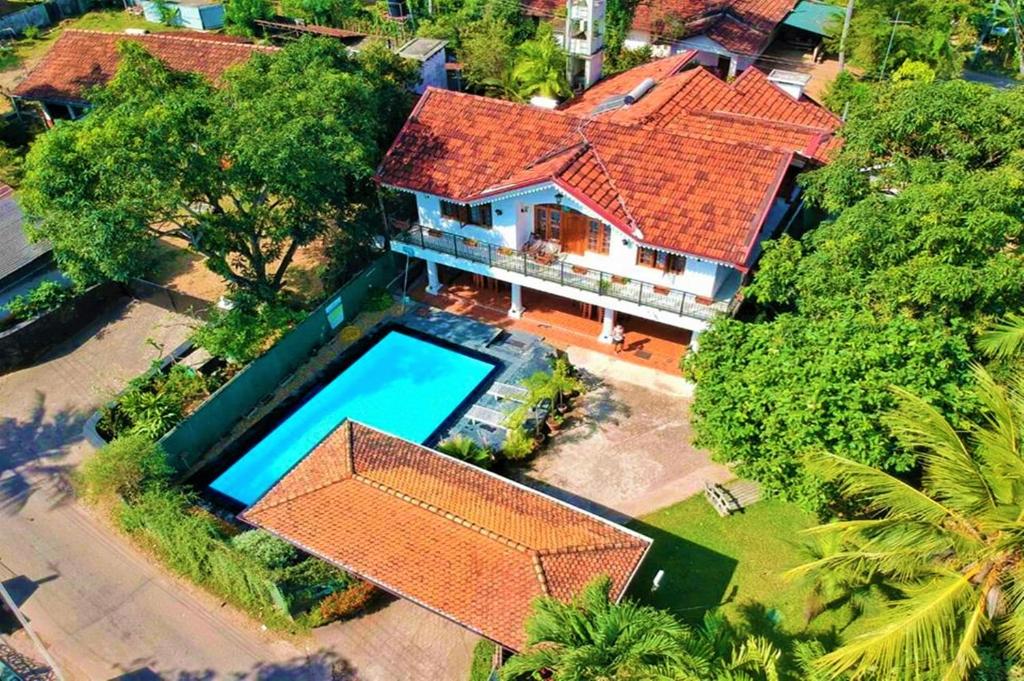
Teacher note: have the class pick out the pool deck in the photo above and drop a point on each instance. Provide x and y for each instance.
(519, 355)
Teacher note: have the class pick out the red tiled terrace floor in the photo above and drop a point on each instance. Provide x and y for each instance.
(559, 321)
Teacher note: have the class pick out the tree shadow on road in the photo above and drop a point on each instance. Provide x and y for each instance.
(31, 453)
(323, 665)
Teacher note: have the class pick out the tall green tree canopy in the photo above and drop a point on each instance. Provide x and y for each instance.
(241, 15)
(244, 173)
(927, 196)
(941, 33)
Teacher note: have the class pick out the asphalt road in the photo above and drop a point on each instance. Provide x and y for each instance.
(102, 609)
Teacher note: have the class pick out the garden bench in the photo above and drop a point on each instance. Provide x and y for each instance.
(720, 498)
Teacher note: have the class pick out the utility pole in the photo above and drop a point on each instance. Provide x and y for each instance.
(892, 37)
(846, 32)
(13, 607)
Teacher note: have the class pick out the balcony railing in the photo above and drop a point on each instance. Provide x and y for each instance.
(566, 274)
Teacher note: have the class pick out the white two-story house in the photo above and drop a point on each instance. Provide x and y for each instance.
(650, 195)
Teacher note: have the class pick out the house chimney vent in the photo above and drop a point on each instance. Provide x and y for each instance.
(639, 91)
(543, 102)
(790, 82)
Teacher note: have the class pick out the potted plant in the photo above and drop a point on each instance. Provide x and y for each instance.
(470, 242)
(616, 279)
(579, 270)
(505, 250)
(662, 290)
(555, 421)
(436, 233)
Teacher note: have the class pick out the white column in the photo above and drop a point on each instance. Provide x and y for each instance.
(433, 280)
(607, 325)
(733, 65)
(695, 341)
(516, 311)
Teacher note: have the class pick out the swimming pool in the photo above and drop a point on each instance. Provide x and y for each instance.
(403, 385)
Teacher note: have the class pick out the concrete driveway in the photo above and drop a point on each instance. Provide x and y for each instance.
(630, 452)
(99, 605)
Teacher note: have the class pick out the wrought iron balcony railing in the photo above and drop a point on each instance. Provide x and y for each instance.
(566, 274)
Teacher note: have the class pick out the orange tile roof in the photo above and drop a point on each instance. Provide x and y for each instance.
(81, 59)
(741, 26)
(692, 166)
(465, 543)
(696, 102)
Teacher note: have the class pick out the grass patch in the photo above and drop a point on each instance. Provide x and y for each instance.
(483, 653)
(25, 52)
(735, 563)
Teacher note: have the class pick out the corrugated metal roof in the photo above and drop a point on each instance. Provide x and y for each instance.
(814, 17)
(15, 250)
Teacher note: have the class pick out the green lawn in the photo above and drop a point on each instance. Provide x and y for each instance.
(26, 52)
(736, 563)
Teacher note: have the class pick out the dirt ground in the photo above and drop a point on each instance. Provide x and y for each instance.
(186, 271)
(628, 450)
(780, 56)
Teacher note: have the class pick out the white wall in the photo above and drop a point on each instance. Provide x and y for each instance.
(512, 228)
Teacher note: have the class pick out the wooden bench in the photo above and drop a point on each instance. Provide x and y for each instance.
(721, 499)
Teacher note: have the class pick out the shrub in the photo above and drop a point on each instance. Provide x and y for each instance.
(378, 300)
(243, 333)
(31, 32)
(518, 445)
(47, 296)
(155, 402)
(124, 468)
(191, 542)
(468, 450)
(266, 549)
(483, 654)
(342, 604)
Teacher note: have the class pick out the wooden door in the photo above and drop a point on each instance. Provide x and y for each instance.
(574, 232)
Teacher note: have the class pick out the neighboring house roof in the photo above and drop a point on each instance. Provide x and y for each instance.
(740, 26)
(693, 166)
(470, 545)
(80, 60)
(815, 17)
(691, 100)
(16, 252)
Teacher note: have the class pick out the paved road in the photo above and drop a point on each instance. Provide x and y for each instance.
(98, 604)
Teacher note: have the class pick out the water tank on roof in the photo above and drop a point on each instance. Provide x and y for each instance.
(397, 9)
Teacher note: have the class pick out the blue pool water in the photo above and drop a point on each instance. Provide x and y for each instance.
(402, 385)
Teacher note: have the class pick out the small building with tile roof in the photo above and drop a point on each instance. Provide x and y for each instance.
(463, 542)
(649, 195)
(727, 34)
(81, 60)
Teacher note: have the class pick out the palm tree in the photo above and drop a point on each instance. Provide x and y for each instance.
(1004, 340)
(593, 638)
(953, 550)
(467, 449)
(540, 66)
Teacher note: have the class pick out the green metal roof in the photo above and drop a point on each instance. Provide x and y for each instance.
(814, 17)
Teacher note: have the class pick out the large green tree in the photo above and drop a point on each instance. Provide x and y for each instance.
(941, 33)
(244, 173)
(951, 550)
(927, 199)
